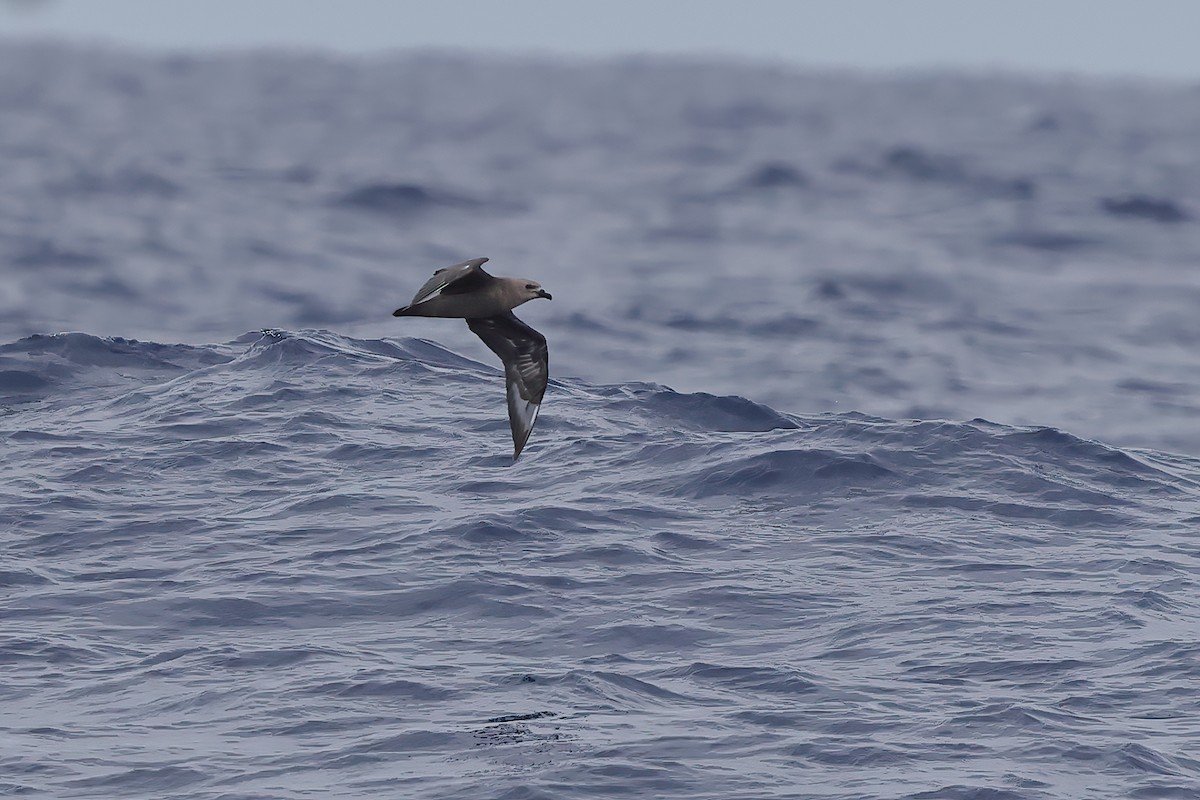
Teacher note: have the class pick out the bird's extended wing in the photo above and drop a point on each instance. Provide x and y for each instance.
(526, 369)
(457, 279)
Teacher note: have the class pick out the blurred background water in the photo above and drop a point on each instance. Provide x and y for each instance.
(915, 517)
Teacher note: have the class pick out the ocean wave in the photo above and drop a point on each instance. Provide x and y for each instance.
(309, 484)
(867, 464)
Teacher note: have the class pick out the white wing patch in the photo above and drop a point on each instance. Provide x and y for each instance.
(444, 277)
(436, 292)
(522, 414)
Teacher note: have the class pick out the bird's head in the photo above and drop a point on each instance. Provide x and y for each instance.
(533, 290)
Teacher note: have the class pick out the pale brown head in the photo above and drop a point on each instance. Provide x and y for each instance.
(532, 290)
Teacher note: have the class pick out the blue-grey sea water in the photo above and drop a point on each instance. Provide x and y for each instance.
(869, 467)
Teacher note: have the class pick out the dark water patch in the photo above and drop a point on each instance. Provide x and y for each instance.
(494, 532)
(676, 540)
(122, 574)
(850, 756)
(521, 717)
(706, 412)
(402, 200)
(372, 686)
(700, 154)
(509, 733)
(635, 638)
(750, 602)
(786, 325)
(960, 791)
(892, 286)
(560, 520)
(1012, 670)
(284, 347)
(1005, 188)
(581, 321)
(421, 350)
(14, 381)
(690, 322)
(366, 453)
(479, 599)
(16, 789)
(615, 555)
(794, 470)
(299, 174)
(1148, 760)
(12, 578)
(1155, 790)
(737, 115)
(277, 396)
(218, 448)
(487, 487)
(314, 727)
(770, 680)
(790, 326)
(1155, 388)
(167, 656)
(330, 352)
(1102, 466)
(204, 430)
(408, 742)
(130, 182)
(231, 612)
(38, 650)
(829, 289)
(1148, 600)
(920, 165)
(781, 719)
(629, 691)
(1047, 240)
(1145, 207)
(1072, 518)
(772, 176)
(143, 779)
(262, 659)
(326, 501)
(852, 469)
(974, 322)
(47, 254)
(93, 351)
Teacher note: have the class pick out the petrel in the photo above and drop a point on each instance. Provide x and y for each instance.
(465, 291)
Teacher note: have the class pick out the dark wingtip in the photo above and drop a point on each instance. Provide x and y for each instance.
(399, 312)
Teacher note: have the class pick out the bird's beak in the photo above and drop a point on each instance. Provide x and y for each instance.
(545, 294)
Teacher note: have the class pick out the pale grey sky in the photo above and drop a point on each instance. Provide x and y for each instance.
(1150, 38)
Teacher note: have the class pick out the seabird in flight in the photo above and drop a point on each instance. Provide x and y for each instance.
(465, 291)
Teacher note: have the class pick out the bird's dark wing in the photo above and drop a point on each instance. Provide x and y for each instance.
(457, 279)
(526, 369)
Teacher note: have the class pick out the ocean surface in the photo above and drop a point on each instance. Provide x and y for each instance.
(869, 466)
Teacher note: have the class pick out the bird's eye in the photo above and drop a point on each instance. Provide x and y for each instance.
(531, 286)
